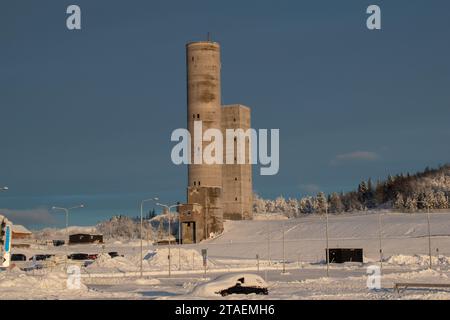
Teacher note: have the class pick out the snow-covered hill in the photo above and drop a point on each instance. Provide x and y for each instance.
(401, 233)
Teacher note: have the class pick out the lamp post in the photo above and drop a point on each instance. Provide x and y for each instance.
(67, 210)
(429, 233)
(326, 235)
(179, 240)
(168, 213)
(284, 260)
(140, 232)
(379, 238)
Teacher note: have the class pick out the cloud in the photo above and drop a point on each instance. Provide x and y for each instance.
(355, 156)
(29, 216)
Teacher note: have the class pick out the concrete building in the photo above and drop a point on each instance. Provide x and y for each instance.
(215, 191)
(237, 178)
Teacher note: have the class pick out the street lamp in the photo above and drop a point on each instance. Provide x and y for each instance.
(141, 236)
(326, 234)
(168, 213)
(66, 210)
(379, 239)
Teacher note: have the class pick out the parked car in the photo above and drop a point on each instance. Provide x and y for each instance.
(233, 284)
(114, 254)
(33, 267)
(78, 256)
(41, 257)
(18, 257)
(92, 256)
(58, 243)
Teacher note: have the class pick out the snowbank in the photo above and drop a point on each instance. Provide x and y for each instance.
(186, 259)
(48, 283)
(147, 282)
(420, 260)
(104, 260)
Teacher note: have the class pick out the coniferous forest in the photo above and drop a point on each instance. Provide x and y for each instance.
(429, 189)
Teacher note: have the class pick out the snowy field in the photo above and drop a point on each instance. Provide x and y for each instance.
(404, 241)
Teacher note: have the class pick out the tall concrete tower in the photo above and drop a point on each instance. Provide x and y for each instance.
(204, 104)
(214, 191)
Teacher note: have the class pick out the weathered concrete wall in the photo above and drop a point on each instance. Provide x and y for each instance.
(210, 198)
(192, 220)
(204, 104)
(237, 178)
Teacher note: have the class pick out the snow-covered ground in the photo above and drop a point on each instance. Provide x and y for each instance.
(404, 242)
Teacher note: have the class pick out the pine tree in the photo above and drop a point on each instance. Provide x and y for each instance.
(336, 205)
(281, 205)
(441, 200)
(399, 202)
(370, 195)
(362, 193)
(429, 200)
(322, 202)
(411, 204)
(259, 204)
(379, 194)
(293, 207)
(306, 205)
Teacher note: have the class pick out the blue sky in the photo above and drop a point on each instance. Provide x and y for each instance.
(86, 116)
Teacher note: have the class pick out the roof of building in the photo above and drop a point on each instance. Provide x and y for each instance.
(17, 228)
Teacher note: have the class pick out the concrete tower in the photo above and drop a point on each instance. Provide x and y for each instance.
(204, 104)
(237, 187)
(214, 190)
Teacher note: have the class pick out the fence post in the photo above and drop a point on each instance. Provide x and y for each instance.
(257, 261)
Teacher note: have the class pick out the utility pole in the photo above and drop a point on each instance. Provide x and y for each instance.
(284, 260)
(379, 237)
(429, 233)
(268, 241)
(326, 235)
(66, 211)
(141, 235)
(170, 233)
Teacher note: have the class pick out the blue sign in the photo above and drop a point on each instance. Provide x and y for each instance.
(7, 239)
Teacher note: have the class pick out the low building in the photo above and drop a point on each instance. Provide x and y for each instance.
(82, 238)
(20, 236)
(20, 232)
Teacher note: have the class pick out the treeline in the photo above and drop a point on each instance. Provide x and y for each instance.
(427, 189)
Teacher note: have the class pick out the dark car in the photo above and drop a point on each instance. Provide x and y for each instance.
(78, 256)
(233, 284)
(113, 254)
(41, 257)
(239, 289)
(58, 243)
(18, 257)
